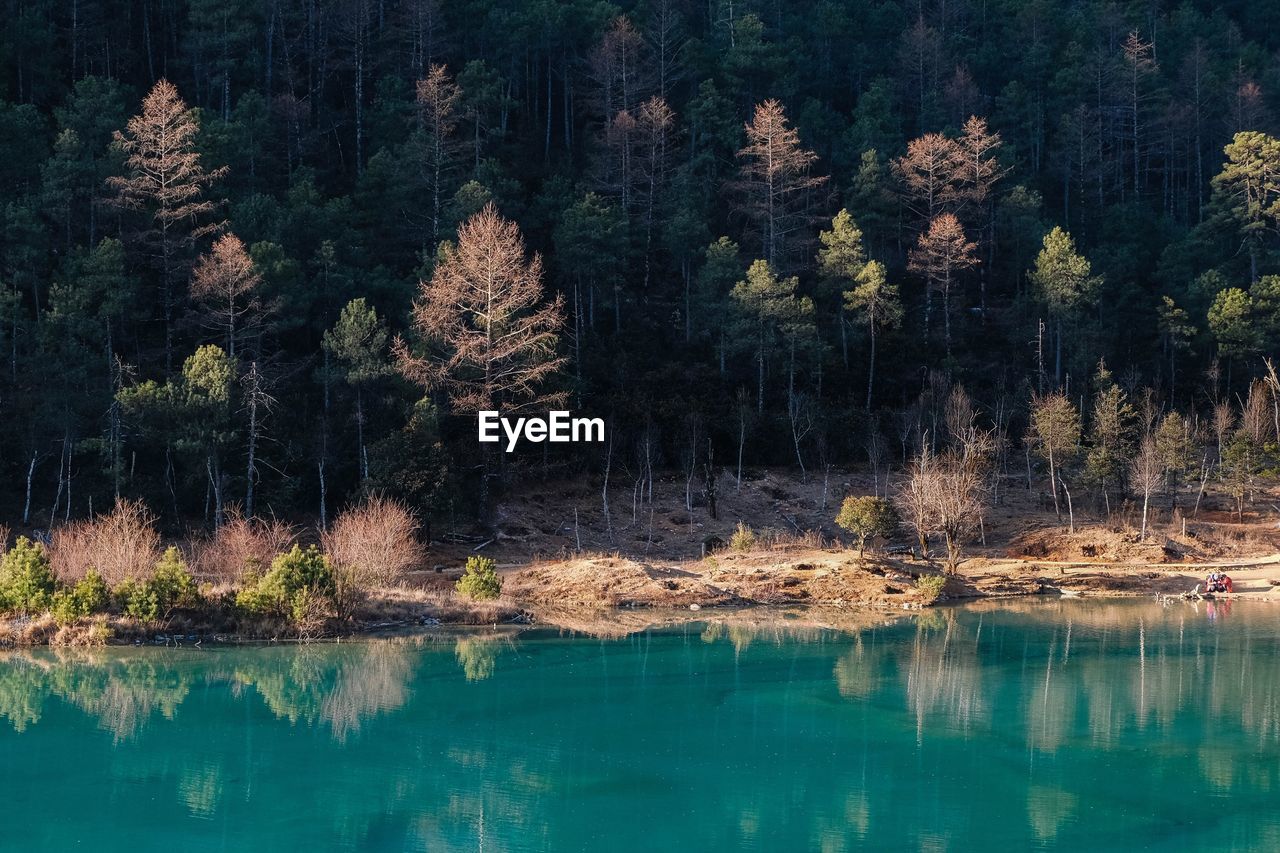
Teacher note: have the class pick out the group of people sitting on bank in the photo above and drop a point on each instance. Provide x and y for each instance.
(1217, 582)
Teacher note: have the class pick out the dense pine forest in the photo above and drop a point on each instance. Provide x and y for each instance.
(267, 257)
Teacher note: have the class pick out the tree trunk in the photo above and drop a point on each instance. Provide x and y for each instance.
(364, 459)
(844, 339)
(871, 366)
(1057, 355)
(251, 470)
(946, 313)
(324, 494)
(1071, 514)
(1053, 486)
(31, 473)
(604, 489)
(742, 440)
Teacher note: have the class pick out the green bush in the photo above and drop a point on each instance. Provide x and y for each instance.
(866, 517)
(90, 595)
(137, 599)
(930, 587)
(298, 583)
(26, 578)
(172, 582)
(480, 581)
(743, 538)
(170, 586)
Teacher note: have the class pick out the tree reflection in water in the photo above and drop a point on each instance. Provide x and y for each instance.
(786, 734)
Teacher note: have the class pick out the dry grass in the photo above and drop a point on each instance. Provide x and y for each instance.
(37, 631)
(121, 544)
(95, 632)
(612, 582)
(240, 545)
(790, 540)
(375, 542)
(397, 604)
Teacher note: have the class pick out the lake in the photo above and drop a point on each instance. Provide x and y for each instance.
(1067, 725)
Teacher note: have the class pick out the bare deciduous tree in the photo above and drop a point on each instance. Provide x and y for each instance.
(1146, 473)
(241, 545)
(225, 283)
(491, 339)
(437, 98)
(927, 173)
(959, 496)
(119, 545)
(915, 497)
(167, 181)
(372, 544)
(774, 179)
(939, 256)
(1055, 432)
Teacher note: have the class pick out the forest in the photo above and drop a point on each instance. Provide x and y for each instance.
(268, 258)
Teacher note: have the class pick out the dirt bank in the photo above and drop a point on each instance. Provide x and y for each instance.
(836, 578)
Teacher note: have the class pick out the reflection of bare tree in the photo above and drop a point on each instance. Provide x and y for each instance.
(1051, 699)
(944, 674)
(201, 789)
(122, 691)
(1218, 766)
(857, 672)
(712, 631)
(376, 684)
(338, 686)
(1047, 810)
(831, 829)
(513, 783)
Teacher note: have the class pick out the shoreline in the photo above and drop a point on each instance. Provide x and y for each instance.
(617, 596)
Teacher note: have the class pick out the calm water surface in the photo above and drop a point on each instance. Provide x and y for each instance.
(1065, 726)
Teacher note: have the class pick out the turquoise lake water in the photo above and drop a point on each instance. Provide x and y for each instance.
(1055, 726)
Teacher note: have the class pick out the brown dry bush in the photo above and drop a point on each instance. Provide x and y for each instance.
(375, 543)
(241, 545)
(121, 544)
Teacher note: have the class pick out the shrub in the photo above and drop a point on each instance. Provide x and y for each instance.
(377, 540)
(172, 582)
(480, 581)
(121, 544)
(298, 586)
(241, 546)
(373, 544)
(743, 538)
(27, 581)
(866, 517)
(170, 586)
(930, 587)
(89, 595)
(138, 600)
